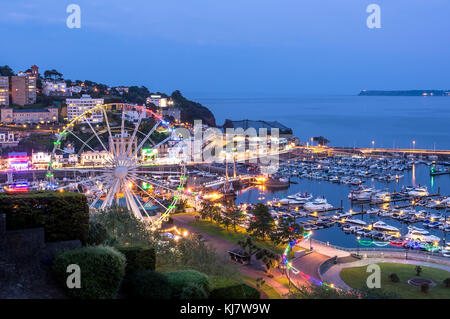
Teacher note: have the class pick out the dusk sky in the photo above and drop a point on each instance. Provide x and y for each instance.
(234, 47)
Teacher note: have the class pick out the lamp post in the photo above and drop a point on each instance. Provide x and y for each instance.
(357, 251)
(414, 145)
(373, 144)
(310, 241)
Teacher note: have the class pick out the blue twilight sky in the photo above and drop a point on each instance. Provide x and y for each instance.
(234, 47)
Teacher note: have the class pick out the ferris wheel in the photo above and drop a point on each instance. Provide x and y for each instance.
(118, 155)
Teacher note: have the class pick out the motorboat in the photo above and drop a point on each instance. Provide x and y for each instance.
(380, 225)
(418, 192)
(361, 194)
(418, 230)
(356, 221)
(303, 198)
(319, 204)
(418, 236)
(373, 211)
(339, 216)
(380, 197)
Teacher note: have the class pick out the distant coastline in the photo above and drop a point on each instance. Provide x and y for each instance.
(405, 93)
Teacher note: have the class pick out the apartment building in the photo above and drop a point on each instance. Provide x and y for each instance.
(23, 89)
(76, 107)
(4, 91)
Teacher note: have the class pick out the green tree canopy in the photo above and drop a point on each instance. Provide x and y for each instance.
(262, 224)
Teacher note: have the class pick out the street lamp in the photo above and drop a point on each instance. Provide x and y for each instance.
(310, 241)
(357, 239)
(414, 145)
(373, 144)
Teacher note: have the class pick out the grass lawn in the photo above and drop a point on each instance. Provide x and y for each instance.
(356, 278)
(234, 237)
(269, 291)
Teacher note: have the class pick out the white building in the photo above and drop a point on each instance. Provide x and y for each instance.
(90, 158)
(9, 139)
(56, 88)
(159, 101)
(40, 160)
(76, 107)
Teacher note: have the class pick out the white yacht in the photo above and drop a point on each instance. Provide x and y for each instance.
(356, 222)
(319, 204)
(418, 191)
(418, 230)
(418, 236)
(363, 194)
(380, 197)
(379, 225)
(303, 197)
(342, 215)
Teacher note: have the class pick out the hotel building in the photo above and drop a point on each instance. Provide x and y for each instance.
(76, 107)
(24, 116)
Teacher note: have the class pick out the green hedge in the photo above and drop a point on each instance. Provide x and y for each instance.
(64, 216)
(97, 234)
(148, 284)
(102, 270)
(178, 280)
(138, 258)
(251, 292)
(224, 288)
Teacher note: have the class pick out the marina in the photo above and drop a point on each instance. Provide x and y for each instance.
(372, 207)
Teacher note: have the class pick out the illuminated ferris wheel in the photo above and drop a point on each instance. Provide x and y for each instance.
(118, 155)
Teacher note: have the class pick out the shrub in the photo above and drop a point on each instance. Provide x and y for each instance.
(251, 292)
(64, 216)
(102, 270)
(193, 291)
(148, 284)
(418, 270)
(138, 258)
(180, 279)
(224, 288)
(97, 234)
(394, 278)
(447, 282)
(425, 288)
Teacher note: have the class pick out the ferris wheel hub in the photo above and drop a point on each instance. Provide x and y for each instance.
(121, 172)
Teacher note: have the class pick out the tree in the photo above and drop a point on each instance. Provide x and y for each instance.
(6, 71)
(262, 224)
(234, 215)
(418, 270)
(205, 211)
(249, 248)
(216, 213)
(52, 74)
(268, 258)
(287, 231)
(321, 140)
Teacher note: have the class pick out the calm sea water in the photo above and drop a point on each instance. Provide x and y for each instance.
(348, 120)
